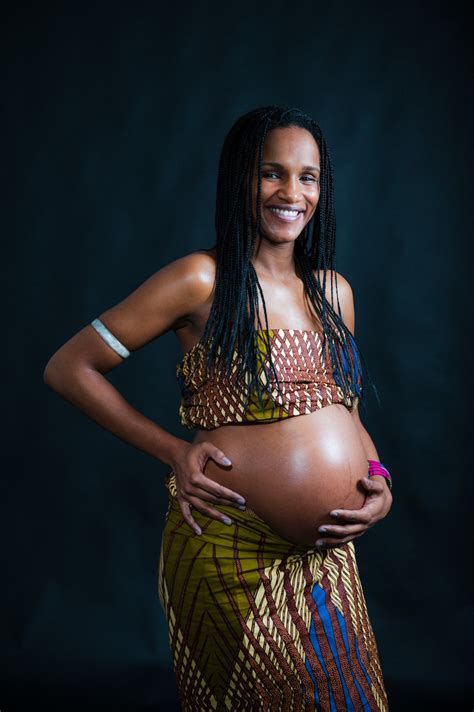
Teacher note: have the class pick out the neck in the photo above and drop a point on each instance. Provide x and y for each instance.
(274, 260)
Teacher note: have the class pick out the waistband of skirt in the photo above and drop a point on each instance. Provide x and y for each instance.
(247, 528)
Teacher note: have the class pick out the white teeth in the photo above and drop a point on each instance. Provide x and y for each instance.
(281, 211)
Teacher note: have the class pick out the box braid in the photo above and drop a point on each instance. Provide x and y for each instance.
(230, 332)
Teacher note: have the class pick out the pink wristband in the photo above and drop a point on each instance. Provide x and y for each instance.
(376, 468)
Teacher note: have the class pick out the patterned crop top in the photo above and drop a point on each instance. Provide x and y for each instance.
(306, 384)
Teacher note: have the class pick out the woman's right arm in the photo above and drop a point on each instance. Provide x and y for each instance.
(76, 372)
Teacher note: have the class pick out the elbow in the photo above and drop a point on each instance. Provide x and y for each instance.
(62, 373)
(50, 374)
(57, 373)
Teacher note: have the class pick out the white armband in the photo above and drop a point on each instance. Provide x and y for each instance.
(110, 339)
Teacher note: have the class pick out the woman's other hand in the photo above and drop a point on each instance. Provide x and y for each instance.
(352, 523)
(194, 489)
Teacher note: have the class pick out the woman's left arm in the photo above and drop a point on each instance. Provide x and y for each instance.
(350, 524)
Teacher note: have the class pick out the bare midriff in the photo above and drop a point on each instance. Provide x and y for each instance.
(295, 471)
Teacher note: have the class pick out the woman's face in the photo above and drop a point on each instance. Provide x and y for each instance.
(290, 183)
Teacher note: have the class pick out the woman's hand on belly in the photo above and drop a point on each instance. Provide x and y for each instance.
(354, 523)
(194, 489)
(294, 472)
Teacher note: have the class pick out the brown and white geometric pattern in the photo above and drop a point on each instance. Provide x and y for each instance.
(303, 370)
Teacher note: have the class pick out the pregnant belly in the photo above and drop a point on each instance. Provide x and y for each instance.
(292, 473)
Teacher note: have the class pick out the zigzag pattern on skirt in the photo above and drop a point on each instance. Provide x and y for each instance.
(256, 622)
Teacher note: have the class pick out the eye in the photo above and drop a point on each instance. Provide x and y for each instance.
(268, 174)
(312, 179)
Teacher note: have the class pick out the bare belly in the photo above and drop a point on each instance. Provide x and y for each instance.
(292, 473)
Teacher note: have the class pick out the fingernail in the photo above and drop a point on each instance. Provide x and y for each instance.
(226, 520)
(241, 500)
(226, 461)
(198, 530)
(242, 507)
(319, 542)
(322, 530)
(334, 514)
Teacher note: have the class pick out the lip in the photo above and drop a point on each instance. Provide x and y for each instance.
(285, 218)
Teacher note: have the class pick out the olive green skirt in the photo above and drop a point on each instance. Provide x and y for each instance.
(256, 622)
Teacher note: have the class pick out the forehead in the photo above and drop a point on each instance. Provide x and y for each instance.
(293, 143)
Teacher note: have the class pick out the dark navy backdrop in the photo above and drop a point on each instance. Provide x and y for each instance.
(113, 120)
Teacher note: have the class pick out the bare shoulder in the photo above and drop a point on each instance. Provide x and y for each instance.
(163, 302)
(192, 276)
(343, 287)
(345, 294)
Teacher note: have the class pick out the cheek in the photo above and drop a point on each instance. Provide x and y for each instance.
(314, 202)
(264, 195)
(309, 216)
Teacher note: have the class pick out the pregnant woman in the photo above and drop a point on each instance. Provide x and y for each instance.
(257, 575)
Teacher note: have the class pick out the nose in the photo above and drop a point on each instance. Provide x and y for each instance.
(291, 189)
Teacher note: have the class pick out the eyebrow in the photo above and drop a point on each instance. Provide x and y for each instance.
(278, 165)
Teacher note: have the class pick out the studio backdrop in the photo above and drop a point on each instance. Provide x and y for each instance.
(113, 120)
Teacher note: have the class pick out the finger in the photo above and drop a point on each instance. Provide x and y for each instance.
(210, 511)
(333, 543)
(216, 454)
(189, 519)
(239, 503)
(353, 516)
(369, 513)
(221, 493)
(373, 484)
(338, 532)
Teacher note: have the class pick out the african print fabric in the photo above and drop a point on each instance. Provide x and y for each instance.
(302, 369)
(256, 622)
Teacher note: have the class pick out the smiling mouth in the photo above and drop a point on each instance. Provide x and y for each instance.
(286, 215)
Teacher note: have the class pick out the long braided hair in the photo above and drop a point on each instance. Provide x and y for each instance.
(234, 317)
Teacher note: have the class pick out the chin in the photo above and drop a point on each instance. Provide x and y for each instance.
(280, 235)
